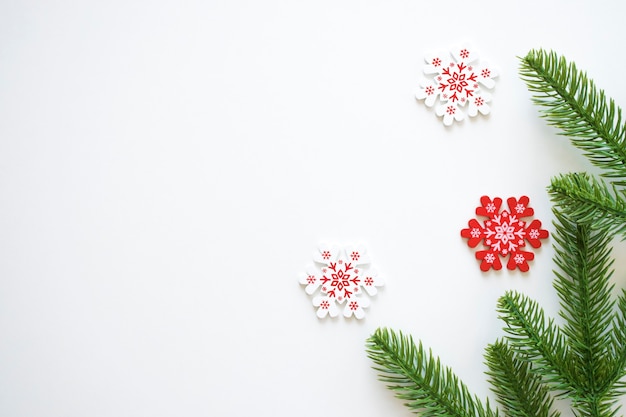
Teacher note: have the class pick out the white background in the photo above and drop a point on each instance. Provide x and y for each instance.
(168, 168)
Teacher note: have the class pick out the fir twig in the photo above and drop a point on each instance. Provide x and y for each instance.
(582, 254)
(589, 201)
(520, 391)
(571, 101)
(418, 378)
(537, 339)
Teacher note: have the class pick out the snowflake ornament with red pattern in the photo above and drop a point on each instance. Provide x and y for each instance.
(338, 280)
(504, 233)
(458, 84)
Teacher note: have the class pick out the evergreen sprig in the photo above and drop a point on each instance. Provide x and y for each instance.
(584, 359)
(570, 100)
(519, 390)
(590, 201)
(577, 359)
(536, 338)
(420, 379)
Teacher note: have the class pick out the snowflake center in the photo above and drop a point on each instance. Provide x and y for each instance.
(340, 280)
(457, 82)
(504, 233)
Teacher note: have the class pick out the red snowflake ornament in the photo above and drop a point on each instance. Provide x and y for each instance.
(504, 233)
(341, 276)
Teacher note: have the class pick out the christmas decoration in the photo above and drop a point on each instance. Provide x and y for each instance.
(341, 276)
(504, 233)
(537, 362)
(457, 84)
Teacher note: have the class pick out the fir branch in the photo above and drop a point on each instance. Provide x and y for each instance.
(572, 102)
(589, 201)
(582, 284)
(418, 378)
(537, 339)
(519, 390)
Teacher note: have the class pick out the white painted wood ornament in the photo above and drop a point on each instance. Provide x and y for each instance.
(341, 279)
(457, 84)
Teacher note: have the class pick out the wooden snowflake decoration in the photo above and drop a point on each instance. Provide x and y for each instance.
(504, 233)
(340, 278)
(458, 84)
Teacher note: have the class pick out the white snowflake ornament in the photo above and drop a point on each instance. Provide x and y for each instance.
(456, 84)
(338, 280)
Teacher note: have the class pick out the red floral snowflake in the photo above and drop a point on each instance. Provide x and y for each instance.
(504, 233)
(459, 82)
(341, 276)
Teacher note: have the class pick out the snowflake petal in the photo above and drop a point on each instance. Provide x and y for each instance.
(520, 260)
(488, 206)
(479, 104)
(356, 307)
(434, 61)
(487, 73)
(475, 233)
(311, 288)
(357, 254)
(450, 112)
(536, 233)
(371, 282)
(465, 53)
(520, 207)
(327, 306)
(485, 109)
(489, 260)
(427, 92)
(326, 254)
